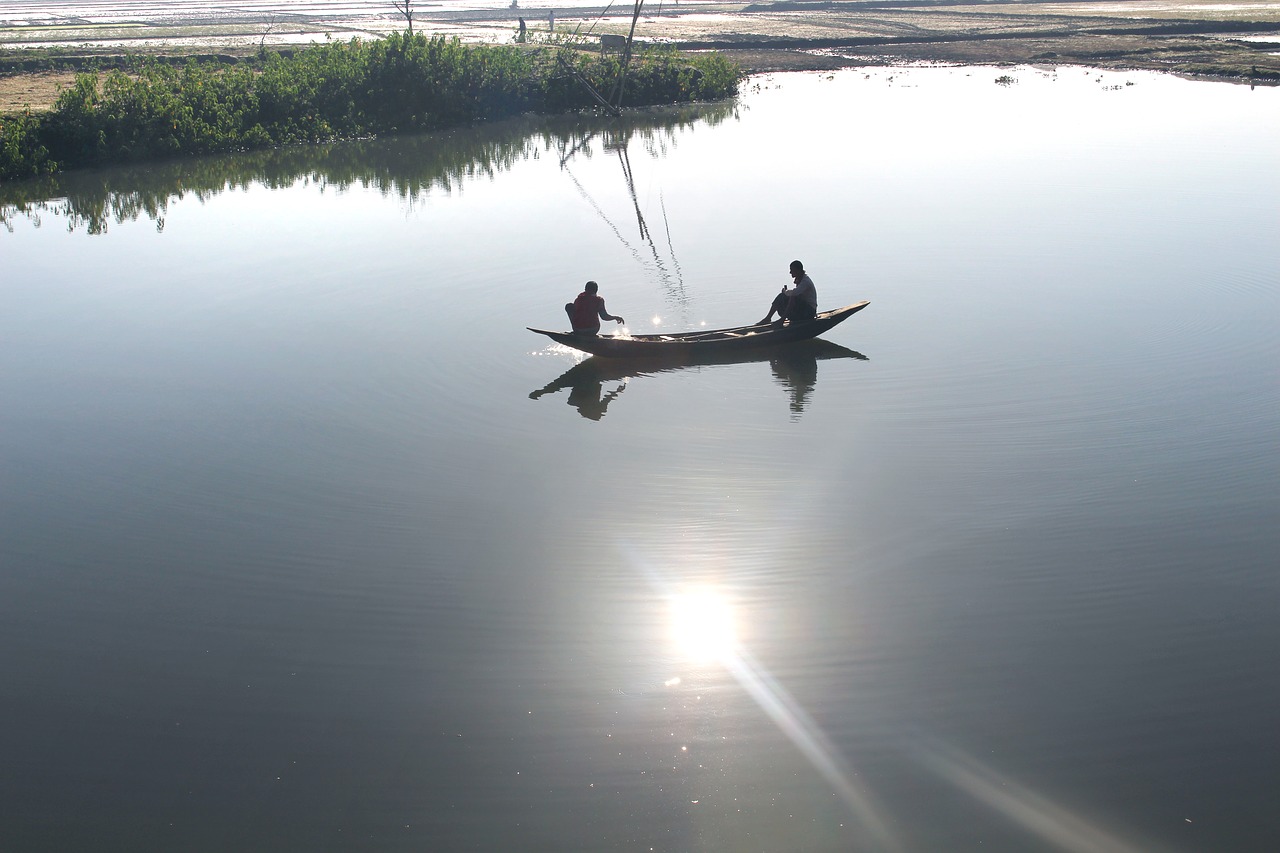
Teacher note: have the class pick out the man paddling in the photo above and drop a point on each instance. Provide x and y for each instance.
(586, 312)
(798, 303)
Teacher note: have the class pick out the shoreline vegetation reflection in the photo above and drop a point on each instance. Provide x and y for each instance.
(794, 367)
(410, 167)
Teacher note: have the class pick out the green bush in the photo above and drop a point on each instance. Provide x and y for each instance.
(22, 152)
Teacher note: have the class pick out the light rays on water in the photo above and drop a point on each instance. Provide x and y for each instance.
(810, 740)
(1048, 821)
(703, 629)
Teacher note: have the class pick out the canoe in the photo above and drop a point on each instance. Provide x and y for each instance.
(713, 341)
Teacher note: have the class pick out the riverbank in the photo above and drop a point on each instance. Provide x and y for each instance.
(1220, 41)
(1233, 41)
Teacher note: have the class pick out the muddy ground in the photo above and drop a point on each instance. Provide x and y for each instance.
(1236, 41)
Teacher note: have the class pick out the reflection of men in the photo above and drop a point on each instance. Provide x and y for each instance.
(798, 303)
(587, 399)
(586, 392)
(586, 312)
(797, 371)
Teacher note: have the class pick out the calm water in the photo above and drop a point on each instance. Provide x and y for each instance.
(309, 545)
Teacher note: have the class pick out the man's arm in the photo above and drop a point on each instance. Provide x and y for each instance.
(605, 315)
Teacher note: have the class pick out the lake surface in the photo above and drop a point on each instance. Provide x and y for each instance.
(307, 544)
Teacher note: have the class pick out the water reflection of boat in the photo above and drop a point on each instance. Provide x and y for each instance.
(732, 340)
(794, 366)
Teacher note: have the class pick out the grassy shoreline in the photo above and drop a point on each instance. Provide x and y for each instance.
(152, 109)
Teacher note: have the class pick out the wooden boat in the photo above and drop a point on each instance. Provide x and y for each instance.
(713, 341)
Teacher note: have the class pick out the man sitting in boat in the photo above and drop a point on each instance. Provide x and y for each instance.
(586, 312)
(798, 303)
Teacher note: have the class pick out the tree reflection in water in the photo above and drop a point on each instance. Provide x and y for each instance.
(410, 167)
(794, 366)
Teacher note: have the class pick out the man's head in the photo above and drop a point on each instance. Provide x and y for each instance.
(592, 287)
(797, 269)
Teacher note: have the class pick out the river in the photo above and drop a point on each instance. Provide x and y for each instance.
(308, 544)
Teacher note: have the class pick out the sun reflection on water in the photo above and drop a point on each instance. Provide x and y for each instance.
(702, 625)
(704, 631)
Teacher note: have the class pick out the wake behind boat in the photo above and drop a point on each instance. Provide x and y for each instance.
(713, 341)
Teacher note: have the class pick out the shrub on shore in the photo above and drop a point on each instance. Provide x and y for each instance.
(22, 153)
(334, 90)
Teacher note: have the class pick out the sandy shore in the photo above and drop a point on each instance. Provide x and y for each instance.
(40, 47)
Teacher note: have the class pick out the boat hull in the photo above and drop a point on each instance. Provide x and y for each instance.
(715, 341)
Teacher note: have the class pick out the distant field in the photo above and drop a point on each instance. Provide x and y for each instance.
(42, 42)
(181, 24)
(184, 24)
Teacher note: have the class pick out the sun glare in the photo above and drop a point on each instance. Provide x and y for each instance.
(702, 625)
